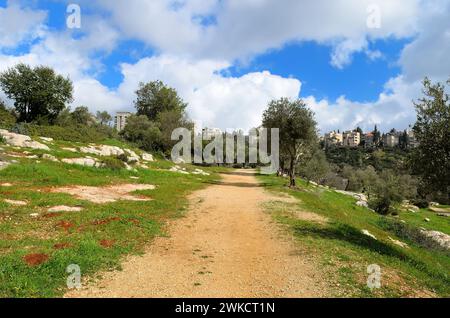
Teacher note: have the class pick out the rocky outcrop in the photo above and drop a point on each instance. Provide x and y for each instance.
(441, 239)
(22, 141)
(102, 150)
(88, 162)
(147, 157)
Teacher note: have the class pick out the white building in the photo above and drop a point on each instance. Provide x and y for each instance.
(121, 120)
(351, 139)
(333, 138)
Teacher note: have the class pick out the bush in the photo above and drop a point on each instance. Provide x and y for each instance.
(381, 205)
(7, 120)
(113, 163)
(420, 203)
(2, 140)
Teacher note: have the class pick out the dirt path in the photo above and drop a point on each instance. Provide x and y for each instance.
(226, 246)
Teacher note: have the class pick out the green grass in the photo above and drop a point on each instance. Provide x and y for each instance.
(127, 225)
(345, 252)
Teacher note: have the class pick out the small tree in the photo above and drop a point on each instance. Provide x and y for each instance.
(143, 132)
(37, 92)
(298, 134)
(317, 168)
(7, 118)
(82, 116)
(155, 97)
(104, 118)
(431, 159)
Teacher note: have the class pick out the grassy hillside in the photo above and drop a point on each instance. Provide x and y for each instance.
(345, 252)
(95, 238)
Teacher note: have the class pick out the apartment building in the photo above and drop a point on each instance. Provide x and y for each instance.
(334, 139)
(351, 139)
(391, 140)
(121, 120)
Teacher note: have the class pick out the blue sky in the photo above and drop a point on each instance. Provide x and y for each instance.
(228, 59)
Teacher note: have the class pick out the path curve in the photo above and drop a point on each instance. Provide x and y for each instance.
(226, 246)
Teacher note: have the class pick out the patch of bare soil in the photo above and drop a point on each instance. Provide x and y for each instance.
(107, 194)
(35, 259)
(226, 246)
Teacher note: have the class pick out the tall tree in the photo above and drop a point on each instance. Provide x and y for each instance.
(298, 133)
(155, 97)
(37, 92)
(431, 159)
(82, 116)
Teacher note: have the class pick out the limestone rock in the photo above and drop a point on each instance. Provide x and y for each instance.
(102, 150)
(21, 141)
(147, 157)
(89, 162)
(367, 233)
(50, 157)
(440, 238)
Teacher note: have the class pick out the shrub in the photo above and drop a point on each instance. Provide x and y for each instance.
(113, 163)
(420, 203)
(123, 157)
(2, 140)
(381, 205)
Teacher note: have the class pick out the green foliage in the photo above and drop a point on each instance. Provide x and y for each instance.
(317, 168)
(38, 93)
(7, 119)
(104, 118)
(82, 116)
(142, 132)
(155, 97)
(113, 163)
(298, 133)
(431, 159)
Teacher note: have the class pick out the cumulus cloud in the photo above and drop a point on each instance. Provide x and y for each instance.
(245, 28)
(214, 100)
(196, 40)
(19, 24)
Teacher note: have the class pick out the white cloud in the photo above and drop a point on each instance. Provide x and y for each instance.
(214, 100)
(19, 24)
(246, 28)
(393, 109)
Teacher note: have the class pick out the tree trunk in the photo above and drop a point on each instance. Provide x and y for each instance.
(292, 182)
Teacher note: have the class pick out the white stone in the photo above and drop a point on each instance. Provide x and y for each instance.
(89, 162)
(34, 215)
(363, 204)
(21, 141)
(440, 238)
(147, 157)
(132, 156)
(15, 202)
(69, 149)
(64, 208)
(6, 185)
(50, 157)
(367, 233)
(399, 243)
(46, 139)
(103, 150)
(427, 220)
